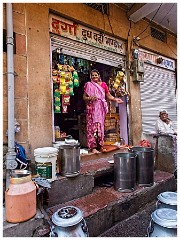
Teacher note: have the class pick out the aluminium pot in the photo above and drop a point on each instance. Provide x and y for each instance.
(69, 222)
(69, 155)
(163, 223)
(124, 171)
(145, 165)
(167, 200)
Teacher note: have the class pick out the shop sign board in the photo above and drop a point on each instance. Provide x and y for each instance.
(78, 32)
(156, 59)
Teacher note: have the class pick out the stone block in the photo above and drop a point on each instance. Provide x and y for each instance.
(19, 22)
(23, 229)
(20, 66)
(20, 44)
(166, 159)
(66, 189)
(18, 7)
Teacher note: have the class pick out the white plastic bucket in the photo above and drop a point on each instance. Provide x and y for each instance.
(45, 159)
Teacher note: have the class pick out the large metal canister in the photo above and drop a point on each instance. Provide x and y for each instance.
(69, 155)
(57, 144)
(69, 222)
(20, 197)
(145, 165)
(124, 172)
(163, 223)
(167, 200)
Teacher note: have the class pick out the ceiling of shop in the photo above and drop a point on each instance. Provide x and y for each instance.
(164, 14)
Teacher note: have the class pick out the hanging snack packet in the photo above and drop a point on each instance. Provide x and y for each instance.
(57, 101)
(57, 93)
(54, 78)
(76, 79)
(62, 89)
(64, 109)
(65, 100)
(67, 90)
(71, 92)
(57, 109)
(76, 82)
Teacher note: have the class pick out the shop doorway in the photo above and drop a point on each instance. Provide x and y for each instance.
(70, 118)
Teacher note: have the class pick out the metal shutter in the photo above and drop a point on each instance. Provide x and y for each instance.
(81, 50)
(158, 91)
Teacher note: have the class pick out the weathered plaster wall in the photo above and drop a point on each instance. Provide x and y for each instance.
(32, 64)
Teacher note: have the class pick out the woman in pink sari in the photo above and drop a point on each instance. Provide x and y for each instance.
(95, 94)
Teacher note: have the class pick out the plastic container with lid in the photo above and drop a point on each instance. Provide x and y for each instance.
(45, 159)
(20, 197)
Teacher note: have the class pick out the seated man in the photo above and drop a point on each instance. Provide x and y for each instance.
(164, 125)
(166, 144)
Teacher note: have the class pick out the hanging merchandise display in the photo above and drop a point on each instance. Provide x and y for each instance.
(65, 78)
(118, 84)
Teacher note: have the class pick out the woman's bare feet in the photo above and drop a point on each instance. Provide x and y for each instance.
(95, 151)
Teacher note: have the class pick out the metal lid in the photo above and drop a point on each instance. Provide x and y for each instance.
(168, 198)
(165, 217)
(142, 149)
(67, 146)
(67, 216)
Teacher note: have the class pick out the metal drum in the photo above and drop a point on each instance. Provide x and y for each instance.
(145, 165)
(167, 200)
(69, 222)
(69, 155)
(124, 172)
(163, 223)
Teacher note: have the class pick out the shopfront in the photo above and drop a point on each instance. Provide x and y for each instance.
(158, 91)
(75, 51)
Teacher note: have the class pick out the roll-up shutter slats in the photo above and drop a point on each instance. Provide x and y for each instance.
(85, 51)
(158, 91)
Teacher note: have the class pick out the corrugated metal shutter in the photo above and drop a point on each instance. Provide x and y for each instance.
(81, 50)
(158, 91)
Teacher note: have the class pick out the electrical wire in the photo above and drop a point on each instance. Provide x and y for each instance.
(110, 25)
(103, 16)
(160, 21)
(129, 28)
(150, 21)
(171, 50)
(167, 13)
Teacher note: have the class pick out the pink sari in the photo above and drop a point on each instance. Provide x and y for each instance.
(96, 111)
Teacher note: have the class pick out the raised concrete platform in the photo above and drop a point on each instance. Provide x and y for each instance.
(105, 207)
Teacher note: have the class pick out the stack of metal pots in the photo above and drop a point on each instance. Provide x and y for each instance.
(164, 219)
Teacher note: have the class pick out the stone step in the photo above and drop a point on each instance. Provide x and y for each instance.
(105, 207)
(64, 189)
(134, 226)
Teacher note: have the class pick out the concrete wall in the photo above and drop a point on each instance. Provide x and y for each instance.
(32, 64)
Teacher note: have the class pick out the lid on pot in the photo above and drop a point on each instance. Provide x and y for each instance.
(165, 217)
(58, 143)
(67, 216)
(168, 198)
(18, 173)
